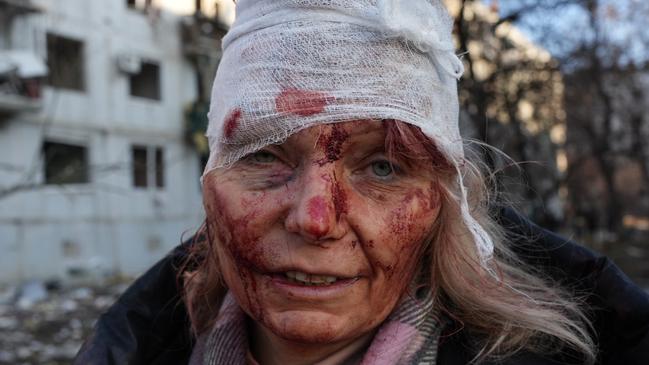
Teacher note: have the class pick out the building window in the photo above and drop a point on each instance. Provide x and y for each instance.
(146, 83)
(148, 166)
(139, 167)
(138, 4)
(65, 164)
(159, 168)
(65, 62)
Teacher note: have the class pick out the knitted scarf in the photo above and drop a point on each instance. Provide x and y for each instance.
(409, 335)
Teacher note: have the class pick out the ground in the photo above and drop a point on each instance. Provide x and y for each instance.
(50, 329)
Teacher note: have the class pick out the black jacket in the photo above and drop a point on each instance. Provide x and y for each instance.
(149, 325)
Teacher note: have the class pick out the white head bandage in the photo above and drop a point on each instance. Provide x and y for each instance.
(291, 64)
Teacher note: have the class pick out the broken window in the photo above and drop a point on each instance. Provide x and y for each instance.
(146, 83)
(65, 62)
(148, 166)
(65, 163)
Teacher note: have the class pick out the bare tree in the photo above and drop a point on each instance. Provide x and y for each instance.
(512, 94)
(600, 47)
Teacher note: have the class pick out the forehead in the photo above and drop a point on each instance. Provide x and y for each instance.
(354, 131)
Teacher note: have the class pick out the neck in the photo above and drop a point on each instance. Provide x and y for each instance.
(269, 349)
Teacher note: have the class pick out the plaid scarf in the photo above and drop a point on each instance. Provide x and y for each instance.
(409, 335)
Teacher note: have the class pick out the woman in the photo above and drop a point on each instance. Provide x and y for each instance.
(340, 228)
(344, 223)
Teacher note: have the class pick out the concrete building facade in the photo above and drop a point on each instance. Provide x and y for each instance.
(96, 175)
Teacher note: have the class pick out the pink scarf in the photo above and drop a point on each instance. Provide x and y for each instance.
(408, 336)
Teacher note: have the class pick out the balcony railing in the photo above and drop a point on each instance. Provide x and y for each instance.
(21, 76)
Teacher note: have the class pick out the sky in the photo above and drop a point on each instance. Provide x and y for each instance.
(186, 7)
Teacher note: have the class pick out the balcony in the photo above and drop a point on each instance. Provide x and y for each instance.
(202, 35)
(21, 75)
(17, 7)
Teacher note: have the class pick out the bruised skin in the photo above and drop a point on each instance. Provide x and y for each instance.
(290, 211)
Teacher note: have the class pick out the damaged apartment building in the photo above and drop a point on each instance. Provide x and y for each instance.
(102, 110)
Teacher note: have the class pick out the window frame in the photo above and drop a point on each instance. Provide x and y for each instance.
(50, 179)
(78, 81)
(154, 167)
(138, 91)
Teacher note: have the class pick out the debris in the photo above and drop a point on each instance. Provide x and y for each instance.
(31, 293)
(38, 326)
(7, 295)
(82, 293)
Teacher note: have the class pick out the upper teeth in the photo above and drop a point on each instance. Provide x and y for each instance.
(310, 279)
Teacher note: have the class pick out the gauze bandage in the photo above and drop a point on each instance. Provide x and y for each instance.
(291, 64)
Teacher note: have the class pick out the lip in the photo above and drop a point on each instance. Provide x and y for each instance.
(294, 290)
(313, 271)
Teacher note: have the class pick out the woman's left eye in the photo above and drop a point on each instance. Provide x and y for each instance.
(382, 168)
(263, 157)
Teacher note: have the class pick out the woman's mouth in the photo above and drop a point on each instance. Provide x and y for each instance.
(308, 279)
(309, 285)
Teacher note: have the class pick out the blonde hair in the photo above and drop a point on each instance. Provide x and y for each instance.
(511, 305)
(508, 306)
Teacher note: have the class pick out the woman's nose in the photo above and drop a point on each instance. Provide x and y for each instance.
(314, 214)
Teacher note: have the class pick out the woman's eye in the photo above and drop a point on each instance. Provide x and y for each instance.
(263, 157)
(382, 168)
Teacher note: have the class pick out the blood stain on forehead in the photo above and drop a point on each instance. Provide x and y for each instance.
(231, 122)
(301, 102)
(332, 144)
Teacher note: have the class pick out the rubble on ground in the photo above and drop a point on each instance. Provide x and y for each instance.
(45, 324)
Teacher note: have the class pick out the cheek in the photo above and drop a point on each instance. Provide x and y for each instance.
(230, 222)
(234, 235)
(406, 224)
(239, 222)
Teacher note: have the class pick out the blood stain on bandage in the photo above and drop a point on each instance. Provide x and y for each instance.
(301, 102)
(231, 122)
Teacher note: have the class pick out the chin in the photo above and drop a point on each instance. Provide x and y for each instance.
(310, 327)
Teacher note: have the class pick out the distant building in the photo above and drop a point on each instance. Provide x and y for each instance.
(99, 172)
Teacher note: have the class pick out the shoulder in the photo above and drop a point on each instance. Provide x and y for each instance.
(459, 349)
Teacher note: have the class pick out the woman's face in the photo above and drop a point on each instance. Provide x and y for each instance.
(318, 237)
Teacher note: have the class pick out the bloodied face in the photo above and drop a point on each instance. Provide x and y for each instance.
(319, 237)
